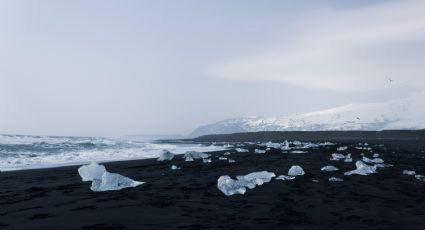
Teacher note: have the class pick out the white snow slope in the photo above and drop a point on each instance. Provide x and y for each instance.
(406, 113)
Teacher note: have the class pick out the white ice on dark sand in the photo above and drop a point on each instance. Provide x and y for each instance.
(259, 151)
(285, 177)
(174, 167)
(231, 161)
(102, 180)
(336, 179)
(339, 156)
(296, 170)
(362, 169)
(409, 172)
(165, 155)
(343, 148)
(329, 168)
(240, 150)
(298, 151)
(373, 161)
(229, 186)
(191, 155)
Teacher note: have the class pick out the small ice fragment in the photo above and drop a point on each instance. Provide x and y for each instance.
(409, 172)
(285, 177)
(296, 170)
(259, 151)
(335, 179)
(329, 168)
(298, 151)
(222, 158)
(268, 149)
(165, 155)
(285, 146)
(315, 181)
(373, 161)
(231, 161)
(272, 145)
(91, 171)
(337, 156)
(173, 167)
(375, 155)
(420, 177)
(241, 150)
(206, 160)
(226, 153)
(343, 148)
(191, 155)
(362, 169)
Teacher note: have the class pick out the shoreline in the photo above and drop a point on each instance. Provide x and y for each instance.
(56, 198)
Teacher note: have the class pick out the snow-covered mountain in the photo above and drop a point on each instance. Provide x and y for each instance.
(406, 113)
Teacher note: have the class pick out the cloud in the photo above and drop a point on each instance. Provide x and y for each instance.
(355, 49)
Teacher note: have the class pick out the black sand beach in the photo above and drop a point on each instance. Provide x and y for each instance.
(189, 199)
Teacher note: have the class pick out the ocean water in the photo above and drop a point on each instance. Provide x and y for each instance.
(19, 152)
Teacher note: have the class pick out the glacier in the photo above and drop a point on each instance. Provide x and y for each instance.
(404, 113)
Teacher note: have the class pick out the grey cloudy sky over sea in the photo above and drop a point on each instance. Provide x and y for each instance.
(113, 68)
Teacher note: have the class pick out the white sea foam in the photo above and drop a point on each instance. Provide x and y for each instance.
(29, 152)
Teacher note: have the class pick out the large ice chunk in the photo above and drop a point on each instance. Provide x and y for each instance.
(285, 146)
(191, 155)
(165, 155)
(296, 170)
(91, 171)
(362, 169)
(329, 168)
(113, 181)
(102, 180)
(230, 186)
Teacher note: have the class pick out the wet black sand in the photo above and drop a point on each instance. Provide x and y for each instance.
(189, 199)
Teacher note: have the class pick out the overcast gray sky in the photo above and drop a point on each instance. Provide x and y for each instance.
(164, 67)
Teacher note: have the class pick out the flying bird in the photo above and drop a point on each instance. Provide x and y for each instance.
(358, 118)
(390, 80)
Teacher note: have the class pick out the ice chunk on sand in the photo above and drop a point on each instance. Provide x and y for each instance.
(373, 161)
(102, 180)
(231, 161)
(296, 170)
(259, 151)
(191, 155)
(343, 148)
(222, 158)
(285, 177)
(362, 169)
(113, 181)
(285, 146)
(335, 179)
(230, 186)
(173, 167)
(241, 150)
(206, 160)
(272, 145)
(375, 155)
(226, 153)
(420, 177)
(329, 168)
(298, 151)
(165, 155)
(339, 156)
(409, 172)
(91, 171)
